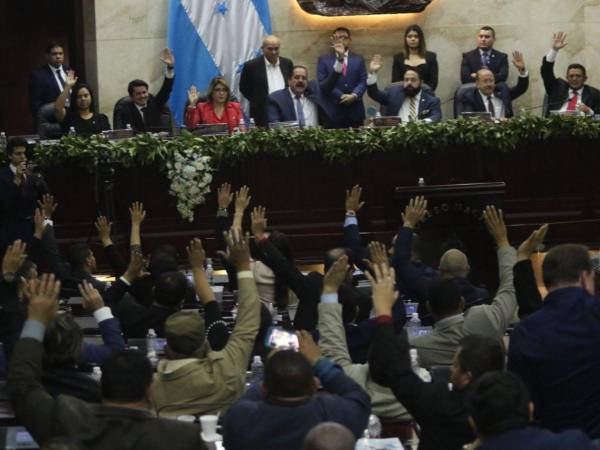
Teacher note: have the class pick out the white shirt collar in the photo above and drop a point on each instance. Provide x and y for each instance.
(54, 69)
(484, 97)
(488, 51)
(579, 91)
(293, 94)
(271, 65)
(13, 169)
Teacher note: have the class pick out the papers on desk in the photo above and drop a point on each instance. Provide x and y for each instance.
(379, 444)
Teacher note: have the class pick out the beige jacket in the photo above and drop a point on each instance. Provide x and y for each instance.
(333, 345)
(217, 380)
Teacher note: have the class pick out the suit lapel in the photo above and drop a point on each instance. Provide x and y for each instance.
(290, 103)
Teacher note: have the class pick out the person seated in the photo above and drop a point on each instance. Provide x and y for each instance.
(438, 407)
(329, 436)
(572, 95)
(192, 373)
(407, 100)
(143, 111)
(81, 115)
(416, 57)
(217, 109)
(496, 99)
(484, 57)
(123, 416)
(501, 413)
(281, 412)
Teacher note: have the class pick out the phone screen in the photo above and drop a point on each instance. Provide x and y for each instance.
(282, 339)
(23, 437)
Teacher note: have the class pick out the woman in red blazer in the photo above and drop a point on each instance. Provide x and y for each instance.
(217, 109)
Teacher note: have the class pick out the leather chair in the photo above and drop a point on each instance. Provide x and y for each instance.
(166, 118)
(458, 98)
(48, 127)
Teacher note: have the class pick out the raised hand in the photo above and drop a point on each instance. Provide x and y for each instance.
(559, 40)
(92, 300)
(48, 206)
(494, 221)
(135, 269)
(259, 222)
(415, 212)
(238, 249)
(518, 61)
(43, 298)
(193, 95)
(242, 199)
(196, 254)
(39, 224)
(103, 226)
(167, 57)
(336, 275)
(308, 347)
(137, 213)
(13, 259)
(375, 64)
(532, 243)
(353, 202)
(71, 79)
(224, 196)
(378, 253)
(339, 49)
(383, 282)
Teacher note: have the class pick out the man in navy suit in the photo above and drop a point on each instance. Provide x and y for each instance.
(343, 81)
(300, 102)
(46, 83)
(407, 99)
(484, 57)
(487, 96)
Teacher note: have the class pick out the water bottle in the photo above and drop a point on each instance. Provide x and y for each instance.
(151, 346)
(128, 127)
(374, 427)
(257, 368)
(3, 141)
(421, 181)
(241, 126)
(414, 321)
(422, 373)
(97, 374)
(72, 131)
(209, 271)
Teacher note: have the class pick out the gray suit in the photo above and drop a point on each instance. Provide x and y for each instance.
(333, 345)
(439, 347)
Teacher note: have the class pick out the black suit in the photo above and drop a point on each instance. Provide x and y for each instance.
(255, 86)
(43, 88)
(131, 115)
(471, 63)
(472, 101)
(558, 90)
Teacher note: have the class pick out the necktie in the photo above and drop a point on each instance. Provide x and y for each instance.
(344, 68)
(485, 60)
(60, 78)
(300, 112)
(412, 114)
(572, 105)
(490, 105)
(145, 116)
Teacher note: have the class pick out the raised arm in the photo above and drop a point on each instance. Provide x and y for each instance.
(115, 260)
(351, 230)
(242, 200)
(222, 225)
(60, 110)
(529, 298)
(379, 96)
(115, 293)
(137, 214)
(559, 41)
(168, 59)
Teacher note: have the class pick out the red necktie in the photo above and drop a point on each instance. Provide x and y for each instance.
(572, 105)
(344, 68)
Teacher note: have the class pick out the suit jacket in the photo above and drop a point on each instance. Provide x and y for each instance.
(558, 90)
(255, 86)
(472, 101)
(428, 71)
(43, 87)
(281, 107)
(156, 104)
(531, 438)
(471, 63)
(333, 85)
(438, 347)
(393, 97)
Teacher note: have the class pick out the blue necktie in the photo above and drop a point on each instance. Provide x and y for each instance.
(300, 112)
(485, 60)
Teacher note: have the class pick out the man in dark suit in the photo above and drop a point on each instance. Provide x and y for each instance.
(573, 94)
(46, 83)
(343, 80)
(487, 96)
(407, 99)
(300, 102)
(144, 112)
(484, 57)
(20, 191)
(264, 75)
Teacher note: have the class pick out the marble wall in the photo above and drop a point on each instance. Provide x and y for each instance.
(124, 38)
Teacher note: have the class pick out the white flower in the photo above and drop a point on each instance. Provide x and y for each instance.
(207, 178)
(178, 166)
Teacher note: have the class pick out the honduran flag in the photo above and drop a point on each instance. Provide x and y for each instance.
(211, 38)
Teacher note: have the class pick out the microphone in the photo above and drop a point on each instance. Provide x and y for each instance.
(534, 108)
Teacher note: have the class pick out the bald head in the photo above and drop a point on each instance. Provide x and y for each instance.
(329, 436)
(453, 264)
(270, 48)
(485, 81)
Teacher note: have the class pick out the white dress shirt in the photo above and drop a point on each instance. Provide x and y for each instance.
(311, 119)
(499, 110)
(274, 76)
(62, 74)
(338, 66)
(404, 112)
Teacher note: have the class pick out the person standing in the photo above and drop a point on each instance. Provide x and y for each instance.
(484, 57)
(416, 57)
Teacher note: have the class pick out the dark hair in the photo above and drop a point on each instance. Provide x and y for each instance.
(479, 354)
(565, 264)
(415, 71)
(444, 298)
(213, 85)
(488, 28)
(136, 83)
(73, 105)
(498, 402)
(344, 29)
(288, 374)
(25, 269)
(77, 255)
(126, 377)
(161, 263)
(298, 66)
(349, 303)
(15, 142)
(51, 45)
(63, 342)
(170, 289)
(577, 66)
(422, 45)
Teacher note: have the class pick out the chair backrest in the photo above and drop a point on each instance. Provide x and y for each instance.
(48, 126)
(459, 96)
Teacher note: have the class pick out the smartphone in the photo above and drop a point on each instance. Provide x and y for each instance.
(282, 339)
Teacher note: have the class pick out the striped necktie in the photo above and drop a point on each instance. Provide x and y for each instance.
(412, 114)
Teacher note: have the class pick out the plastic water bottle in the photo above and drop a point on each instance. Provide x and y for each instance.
(151, 346)
(422, 373)
(251, 124)
(241, 126)
(128, 127)
(97, 374)
(374, 427)
(257, 368)
(421, 181)
(414, 321)
(3, 141)
(72, 131)
(209, 271)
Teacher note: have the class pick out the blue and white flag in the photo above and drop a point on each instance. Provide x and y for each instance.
(211, 38)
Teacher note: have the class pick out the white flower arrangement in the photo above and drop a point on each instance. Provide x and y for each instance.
(191, 174)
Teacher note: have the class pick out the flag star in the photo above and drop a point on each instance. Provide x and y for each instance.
(222, 8)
